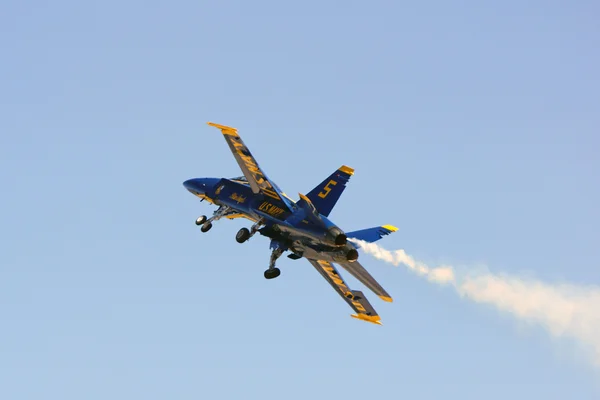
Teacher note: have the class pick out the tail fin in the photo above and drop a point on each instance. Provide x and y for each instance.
(327, 193)
(372, 234)
(310, 211)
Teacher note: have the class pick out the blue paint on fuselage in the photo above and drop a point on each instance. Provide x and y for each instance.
(201, 186)
(239, 196)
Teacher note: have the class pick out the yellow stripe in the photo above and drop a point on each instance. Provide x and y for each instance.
(390, 228)
(385, 298)
(226, 130)
(346, 169)
(272, 195)
(269, 191)
(234, 216)
(375, 319)
(204, 197)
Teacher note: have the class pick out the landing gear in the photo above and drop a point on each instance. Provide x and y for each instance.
(206, 224)
(273, 271)
(242, 235)
(206, 227)
(245, 233)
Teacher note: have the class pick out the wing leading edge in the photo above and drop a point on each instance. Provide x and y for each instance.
(355, 298)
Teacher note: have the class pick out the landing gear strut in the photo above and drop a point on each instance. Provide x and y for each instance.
(273, 271)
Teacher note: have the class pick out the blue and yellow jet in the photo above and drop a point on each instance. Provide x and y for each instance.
(300, 227)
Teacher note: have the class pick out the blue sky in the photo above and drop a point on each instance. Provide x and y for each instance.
(473, 128)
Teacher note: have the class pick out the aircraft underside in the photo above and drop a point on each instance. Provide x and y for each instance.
(300, 227)
(283, 238)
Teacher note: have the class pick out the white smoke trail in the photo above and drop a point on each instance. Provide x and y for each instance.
(564, 310)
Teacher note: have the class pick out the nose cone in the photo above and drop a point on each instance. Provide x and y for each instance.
(200, 185)
(195, 186)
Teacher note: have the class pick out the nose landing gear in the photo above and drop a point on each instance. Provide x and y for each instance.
(206, 223)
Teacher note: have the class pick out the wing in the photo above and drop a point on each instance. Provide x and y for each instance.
(256, 177)
(355, 299)
(360, 273)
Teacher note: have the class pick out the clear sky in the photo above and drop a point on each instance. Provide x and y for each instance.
(473, 128)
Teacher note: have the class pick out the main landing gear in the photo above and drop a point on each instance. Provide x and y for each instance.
(273, 271)
(244, 234)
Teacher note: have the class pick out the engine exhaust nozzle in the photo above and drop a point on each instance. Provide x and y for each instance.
(352, 255)
(341, 240)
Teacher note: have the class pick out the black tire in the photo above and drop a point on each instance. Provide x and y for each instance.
(206, 227)
(242, 235)
(272, 273)
(200, 220)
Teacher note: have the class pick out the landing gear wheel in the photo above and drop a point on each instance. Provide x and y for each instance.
(272, 273)
(201, 219)
(242, 235)
(206, 227)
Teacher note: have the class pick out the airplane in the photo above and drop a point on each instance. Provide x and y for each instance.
(300, 227)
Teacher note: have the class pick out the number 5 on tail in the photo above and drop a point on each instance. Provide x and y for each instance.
(327, 189)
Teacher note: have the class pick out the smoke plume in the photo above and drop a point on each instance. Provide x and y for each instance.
(564, 310)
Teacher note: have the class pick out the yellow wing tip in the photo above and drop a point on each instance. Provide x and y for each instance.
(390, 228)
(222, 127)
(386, 298)
(374, 319)
(346, 169)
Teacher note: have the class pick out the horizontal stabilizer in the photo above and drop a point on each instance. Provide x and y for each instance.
(372, 234)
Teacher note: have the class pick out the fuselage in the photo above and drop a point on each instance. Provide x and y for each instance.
(293, 229)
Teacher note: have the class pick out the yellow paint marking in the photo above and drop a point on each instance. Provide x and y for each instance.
(226, 130)
(346, 169)
(303, 197)
(369, 318)
(238, 198)
(328, 268)
(271, 209)
(234, 216)
(390, 228)
(385, 298)
(327, 189)
(204, 197)
(274, 196)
